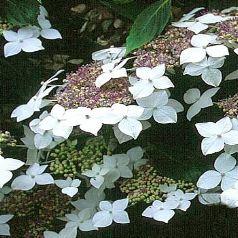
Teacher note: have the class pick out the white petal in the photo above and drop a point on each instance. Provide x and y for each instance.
(198, 27)
(91, 125)
(230, 198)
(44, 179)
(121, 137)
(57, 112)
(216, 62)
(184, 205)
(5, 176)
(121, 217)
(178, 107)
(10, 164)
(42, 141)
(162, 83)
(192, 55)
(4, 230)
(23, 182)
(143, 72)
(48, 123)
(102, 79)
(134, 111)
(236, 51)
(192, 95)
(193, 111)
(11, 48)
(10, 35)
(119, 73)
(142, 88)
(231, 137)
(209, 18)
(228, 182)
(70, 191)
(131, 127)
(164, 215)
(62, 129)
(212, 77)
(120, 204)
(97, 181)
(202, 40)
(86, 226)
(102, 219)
(149, 212)
(212, 145)
(5, 218)
(32, 45)
(51, 34)
(224, 163)
(210, 179)
(165, 115)
(105, 205)
(36, 169)
(217, 50)
(23, 112)
(206, 129)
(157, 71)
(24, 33)
(224, 125)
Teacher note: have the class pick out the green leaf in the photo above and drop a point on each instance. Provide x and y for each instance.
(148, 24)
(22, 13)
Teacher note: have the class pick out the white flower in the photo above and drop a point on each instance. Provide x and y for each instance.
(156, 105)
(193, 96)
(135, 155)
(182, 198)
(208, 68)
(226, 173)
(161, 211)
(110, 54)
(92, 199)
(6, 166)
(122, 138)
(23, 40)
(65, 233)
(209, 197)
(56, 122)
(4, 228)
(69, 186)
(34, 175)
(129, 119)
(82, 220)
(200, 23)
(118, 164)
(217, 135)
(165, 188)
(150, 79)
(25, 111)
(97, 175)
(200, 49)
(112, 70)
(111, 212)
(230, 198)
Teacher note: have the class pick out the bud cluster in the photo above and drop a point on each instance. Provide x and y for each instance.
(229, 106)
(144, 186)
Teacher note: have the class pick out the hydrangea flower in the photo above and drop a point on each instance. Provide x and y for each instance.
(4, 227)
(156, 105)
(193, 96)
(182, 198)
(96, 175)
(68, 186)
(149, 80)
(201, 47)
(34, 175)
(226, 173)
(68, 232)
(161, 211)
(81, 220)
(112, 70)
(208, 68)
(22, 40)
(110, 212)
(200, 23)
(6, 166)
(217, 135)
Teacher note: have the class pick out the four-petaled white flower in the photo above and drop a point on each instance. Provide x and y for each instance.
(37, 102)
(68, 232)
(112, 70)
(22, 40)
(200, 23)
(6, 166)
(201, 48)
(111, 212)
(68, 186)
(149, 80)
(118, 164)
(135, 155)
(193, 96)
(156, 105)
(129, 119)
(182, 198)
(81, 220)
(208, 68)
(161, 211)
(226, 173)
(34, 175)
(217, 135)
(97, 175)
(56, 122)
(4, 227)
(110, 54)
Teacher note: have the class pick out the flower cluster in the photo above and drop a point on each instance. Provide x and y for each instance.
(145, 186)
(48, 203)
(6, 139)
(229, 106)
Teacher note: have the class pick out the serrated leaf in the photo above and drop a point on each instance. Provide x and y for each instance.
(22, 13)
(148, 24)
(232, 76)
